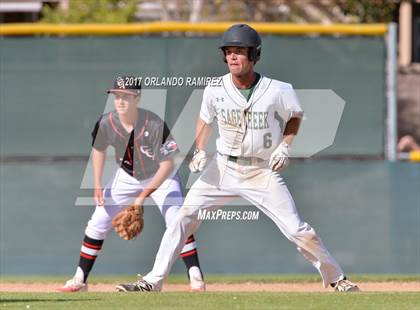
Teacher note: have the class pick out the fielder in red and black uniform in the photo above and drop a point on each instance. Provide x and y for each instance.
(144, 152)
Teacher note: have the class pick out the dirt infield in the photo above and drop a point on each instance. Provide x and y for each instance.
(223, 287)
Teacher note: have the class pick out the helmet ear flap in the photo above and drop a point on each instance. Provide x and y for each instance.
(251, 54)
(254, 53)
(257, 53)
(224, 54)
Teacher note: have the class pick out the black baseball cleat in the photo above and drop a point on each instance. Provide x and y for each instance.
(138, 286)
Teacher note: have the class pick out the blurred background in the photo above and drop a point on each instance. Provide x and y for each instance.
(361, 194)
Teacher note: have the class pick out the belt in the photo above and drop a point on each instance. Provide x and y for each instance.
(244, 160)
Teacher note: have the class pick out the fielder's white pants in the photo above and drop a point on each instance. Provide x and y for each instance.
(121, 191)
(220, 182)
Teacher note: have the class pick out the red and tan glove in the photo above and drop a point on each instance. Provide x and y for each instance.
(129, 222)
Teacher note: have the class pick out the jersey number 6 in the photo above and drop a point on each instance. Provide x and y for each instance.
(267, 140)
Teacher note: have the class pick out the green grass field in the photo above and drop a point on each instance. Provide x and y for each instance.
(214, 300)
(210, 301)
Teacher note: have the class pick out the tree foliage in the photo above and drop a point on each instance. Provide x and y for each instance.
(92, 11)
(300, 11)
(369, 11)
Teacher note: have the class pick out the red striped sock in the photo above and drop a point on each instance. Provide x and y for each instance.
(189, 254)
(88, 253)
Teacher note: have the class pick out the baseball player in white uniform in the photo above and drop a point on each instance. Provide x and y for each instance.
(144, 151)
(257, 119)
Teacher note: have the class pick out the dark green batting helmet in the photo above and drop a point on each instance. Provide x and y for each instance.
(242, 35)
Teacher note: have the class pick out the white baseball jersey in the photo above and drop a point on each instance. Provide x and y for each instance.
(249, 129)
(252, 128)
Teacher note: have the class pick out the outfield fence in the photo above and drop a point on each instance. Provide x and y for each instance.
(78, 62)
(52, 89)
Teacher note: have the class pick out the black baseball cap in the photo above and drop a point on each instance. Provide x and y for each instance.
(126, 84)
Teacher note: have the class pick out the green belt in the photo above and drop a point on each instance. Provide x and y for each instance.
(244, 160)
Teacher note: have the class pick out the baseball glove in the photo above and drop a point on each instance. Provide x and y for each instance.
(129, 223)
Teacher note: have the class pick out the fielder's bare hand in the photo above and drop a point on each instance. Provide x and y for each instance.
(279, 159)
(98, 196)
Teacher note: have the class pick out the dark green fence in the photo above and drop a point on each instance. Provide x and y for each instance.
(367, 213)
(52, 89)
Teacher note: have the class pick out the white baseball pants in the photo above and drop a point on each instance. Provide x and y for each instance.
(220, 182)
(121, 191)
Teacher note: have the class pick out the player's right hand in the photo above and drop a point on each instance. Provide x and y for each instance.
(98, 196)
(198, 161)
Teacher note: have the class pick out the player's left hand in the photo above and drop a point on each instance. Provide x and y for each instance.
(279, 159)
(139, 201)
(129, 222)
